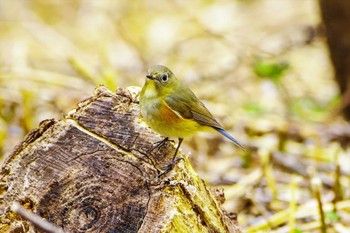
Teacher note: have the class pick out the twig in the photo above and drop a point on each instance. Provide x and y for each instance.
(316, 186)
(35, 219)
(293, 204)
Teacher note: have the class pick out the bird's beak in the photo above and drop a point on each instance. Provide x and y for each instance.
(149, 76)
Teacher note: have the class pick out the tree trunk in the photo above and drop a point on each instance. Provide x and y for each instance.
(95, 171)
(336, 19)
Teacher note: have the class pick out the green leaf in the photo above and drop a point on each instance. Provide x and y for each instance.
(309, 108)
(270, 70)
(254, 108)
(332, 216)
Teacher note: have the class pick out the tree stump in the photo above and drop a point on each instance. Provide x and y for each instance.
(95, 171)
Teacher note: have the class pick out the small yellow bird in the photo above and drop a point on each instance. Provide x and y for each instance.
(171, 109)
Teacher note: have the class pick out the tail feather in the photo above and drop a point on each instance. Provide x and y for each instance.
(223, 132)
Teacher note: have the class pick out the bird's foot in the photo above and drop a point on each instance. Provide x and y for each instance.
(170, 166)
(159, 144)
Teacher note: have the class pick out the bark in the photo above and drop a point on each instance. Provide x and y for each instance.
(336, 19)
(95, 171)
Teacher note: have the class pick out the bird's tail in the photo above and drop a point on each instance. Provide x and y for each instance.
(223, 132)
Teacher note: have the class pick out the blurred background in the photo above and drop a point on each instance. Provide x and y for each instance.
(262, 67)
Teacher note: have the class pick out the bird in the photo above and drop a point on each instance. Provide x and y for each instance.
(171, 109)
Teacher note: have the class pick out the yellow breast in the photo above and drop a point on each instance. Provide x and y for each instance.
(162, 119)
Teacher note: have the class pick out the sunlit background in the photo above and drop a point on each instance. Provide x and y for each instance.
(260, 66)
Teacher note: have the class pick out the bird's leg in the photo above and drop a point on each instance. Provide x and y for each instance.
(173, 160)
(177, 149)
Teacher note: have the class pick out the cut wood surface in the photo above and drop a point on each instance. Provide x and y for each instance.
(95, 171)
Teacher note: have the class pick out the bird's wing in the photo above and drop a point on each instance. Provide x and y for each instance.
(204, 117)
(177, 104)
(188, 106)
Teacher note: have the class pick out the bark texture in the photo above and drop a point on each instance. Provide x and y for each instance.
(336, 19)
(94, 171)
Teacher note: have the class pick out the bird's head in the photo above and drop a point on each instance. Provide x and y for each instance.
(160, 81)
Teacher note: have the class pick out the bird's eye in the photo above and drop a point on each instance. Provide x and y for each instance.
(165, 77)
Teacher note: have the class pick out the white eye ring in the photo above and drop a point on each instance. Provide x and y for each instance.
(165, 77)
